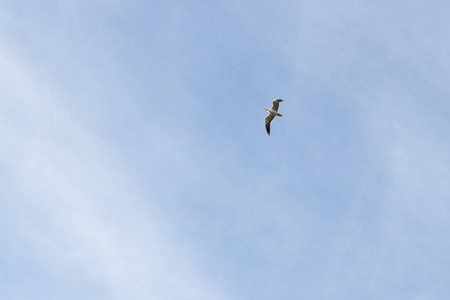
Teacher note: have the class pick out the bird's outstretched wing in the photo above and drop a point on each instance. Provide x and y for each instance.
(276, 103)
(269, 119)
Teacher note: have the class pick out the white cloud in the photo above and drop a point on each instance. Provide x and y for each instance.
(103, 193)
(81, 214)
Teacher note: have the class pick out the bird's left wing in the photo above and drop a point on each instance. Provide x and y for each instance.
(267, 120)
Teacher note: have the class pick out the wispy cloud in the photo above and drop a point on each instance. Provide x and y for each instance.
(82, 219)
(135, 162)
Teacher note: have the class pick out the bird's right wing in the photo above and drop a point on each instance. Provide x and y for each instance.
(276, 103)
(269, 119)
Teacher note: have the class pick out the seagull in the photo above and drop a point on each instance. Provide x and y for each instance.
(272, 113)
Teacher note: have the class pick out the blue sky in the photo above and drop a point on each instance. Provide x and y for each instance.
(135, 162)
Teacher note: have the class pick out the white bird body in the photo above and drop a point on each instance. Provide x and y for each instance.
(272, 113)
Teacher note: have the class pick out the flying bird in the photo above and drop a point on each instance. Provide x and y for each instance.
(272, 113)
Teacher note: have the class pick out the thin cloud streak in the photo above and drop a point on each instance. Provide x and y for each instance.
(346, 200)
(80, 209)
